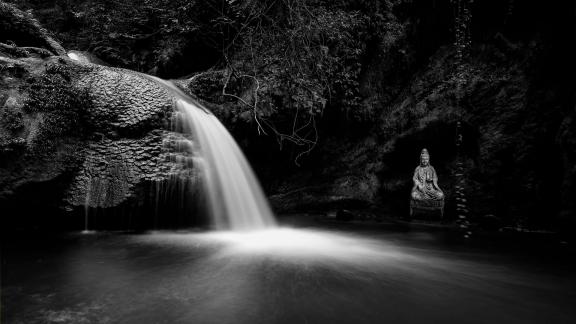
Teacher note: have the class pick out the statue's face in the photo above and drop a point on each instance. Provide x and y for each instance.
(425, 160)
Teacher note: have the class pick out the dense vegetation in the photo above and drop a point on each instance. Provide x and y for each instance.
(287, 58)
(352, 90)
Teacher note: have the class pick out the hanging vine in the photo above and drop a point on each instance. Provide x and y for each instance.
(462, 39)
(462, 43)
(295, 58)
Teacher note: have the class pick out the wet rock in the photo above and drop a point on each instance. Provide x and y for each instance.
(97, 131)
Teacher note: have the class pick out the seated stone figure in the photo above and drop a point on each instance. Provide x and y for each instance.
(426, 194)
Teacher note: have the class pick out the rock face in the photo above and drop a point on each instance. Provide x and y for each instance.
(100, 137)
(514, 162)
(129, 112)
(95, 134)
(518, 150)
(516, 107)
(108, 127)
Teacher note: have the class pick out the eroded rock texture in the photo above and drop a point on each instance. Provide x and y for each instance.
(112, 168)
(95, 135)
(105, 128)
(125, 102)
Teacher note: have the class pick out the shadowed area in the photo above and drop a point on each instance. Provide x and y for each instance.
(331, 101)
(285, 275)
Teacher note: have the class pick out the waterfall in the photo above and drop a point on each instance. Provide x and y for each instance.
(234, 198)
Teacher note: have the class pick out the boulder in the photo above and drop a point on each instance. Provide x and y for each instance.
(96, 134)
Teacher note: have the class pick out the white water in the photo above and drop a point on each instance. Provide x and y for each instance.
(78, 56)
(246, 277)
(235, 200)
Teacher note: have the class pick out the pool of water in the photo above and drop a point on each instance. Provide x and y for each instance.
(289, 275)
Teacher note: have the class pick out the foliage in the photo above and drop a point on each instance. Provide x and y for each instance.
(302, 57)
(286, 61)
(12, 120)
(143, 35)
(60, 105)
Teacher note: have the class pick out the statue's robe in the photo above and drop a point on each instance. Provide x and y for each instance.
(426, 176)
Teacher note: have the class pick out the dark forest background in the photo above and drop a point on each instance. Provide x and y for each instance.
(332, 101)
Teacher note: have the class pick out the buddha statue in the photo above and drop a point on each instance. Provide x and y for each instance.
(426, 181)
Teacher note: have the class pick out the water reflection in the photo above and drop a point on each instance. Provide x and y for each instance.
(276, 276)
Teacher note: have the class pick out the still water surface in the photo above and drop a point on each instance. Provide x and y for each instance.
(305, 275)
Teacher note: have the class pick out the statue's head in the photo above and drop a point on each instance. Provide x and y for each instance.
(424, 158)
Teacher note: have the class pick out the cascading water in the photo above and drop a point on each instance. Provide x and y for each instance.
(274, 275)
(235, 200)
(80, 57)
